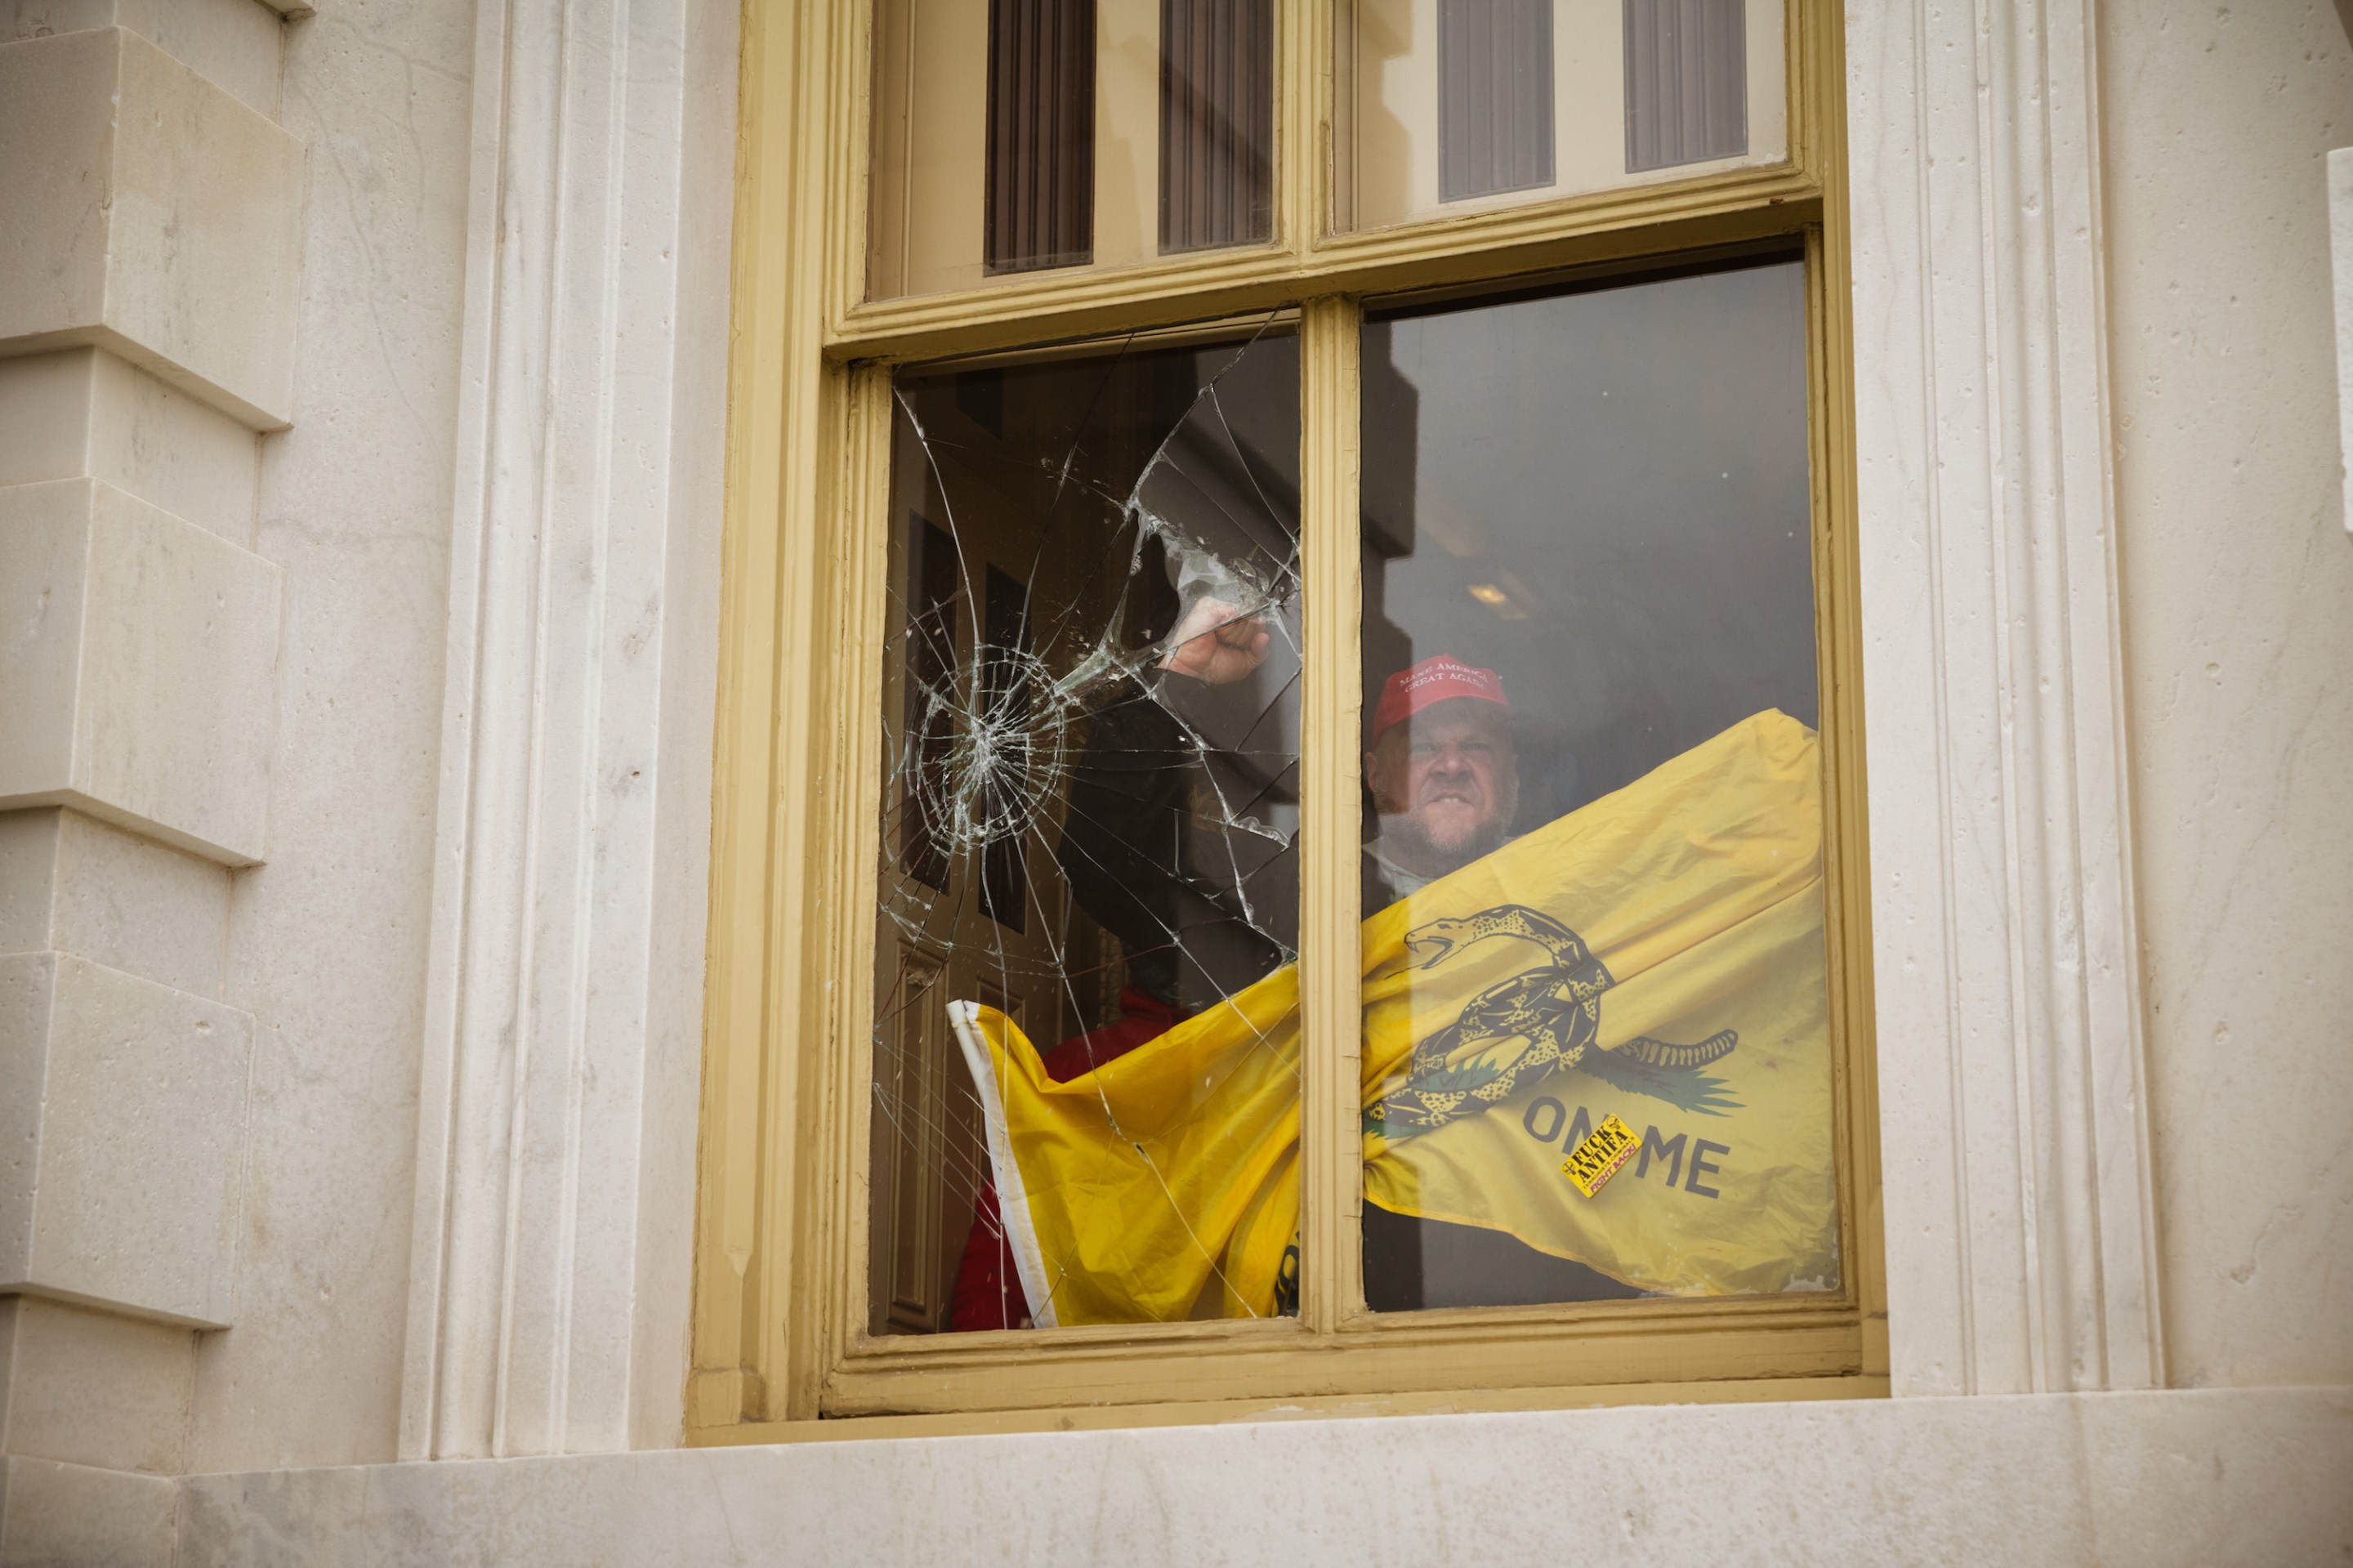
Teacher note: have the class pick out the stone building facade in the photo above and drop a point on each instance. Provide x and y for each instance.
(363, 427)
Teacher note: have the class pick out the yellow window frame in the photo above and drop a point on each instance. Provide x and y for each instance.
(778, 1336)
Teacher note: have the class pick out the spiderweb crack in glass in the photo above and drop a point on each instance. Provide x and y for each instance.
(1090, 716)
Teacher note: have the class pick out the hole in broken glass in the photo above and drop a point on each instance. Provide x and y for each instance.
(1092, 716)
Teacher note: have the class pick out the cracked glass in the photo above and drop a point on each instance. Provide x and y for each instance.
(1085, 1066)
(1593, 823)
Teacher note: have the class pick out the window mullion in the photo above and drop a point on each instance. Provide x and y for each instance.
(1302, 45)
(1332, 1179)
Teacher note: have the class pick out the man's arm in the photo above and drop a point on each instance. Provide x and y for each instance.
(1123, 839)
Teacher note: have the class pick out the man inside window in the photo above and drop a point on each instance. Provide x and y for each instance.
(1442, 776)
(1441, 773)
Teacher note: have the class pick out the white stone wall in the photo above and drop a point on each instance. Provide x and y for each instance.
(151, 228)
(250, 258)
(327, 939)
(2238, 591)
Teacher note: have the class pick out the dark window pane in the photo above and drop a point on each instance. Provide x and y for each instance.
(1009, 136)
(1494, 96)
(1441, 107)
(1085, 1076)
(1007, 702)
(1592, 867)
(1686, 82)
(1217, 122)
(928, 735)
(1042, 134)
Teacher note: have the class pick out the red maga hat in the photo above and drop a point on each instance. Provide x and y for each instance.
(1437, 679)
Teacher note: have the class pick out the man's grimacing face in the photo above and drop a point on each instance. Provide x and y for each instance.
(1447, 773)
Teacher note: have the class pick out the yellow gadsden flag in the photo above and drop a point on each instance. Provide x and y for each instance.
(1657, 954)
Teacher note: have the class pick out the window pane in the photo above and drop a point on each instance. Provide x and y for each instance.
(1020, 135)
(1448, 106)
(1086, 1062)
(1592, 870)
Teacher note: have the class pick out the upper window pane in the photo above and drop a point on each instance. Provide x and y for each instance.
(1086, 1054)
(1592, 868)
(1446, 106)
(1018, 136)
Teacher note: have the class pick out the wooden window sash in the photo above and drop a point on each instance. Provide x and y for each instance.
(1337, 1343)
(782, 1249)
(1331, 1189)
(1306, 254)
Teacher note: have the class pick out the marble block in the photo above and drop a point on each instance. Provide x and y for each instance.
(76, 885)
(93, 1388)
(138, 683)
(75, 1516)
(232, 44)
(2216, 1476)
(83, 413)
(146, 211)
(123, 1124)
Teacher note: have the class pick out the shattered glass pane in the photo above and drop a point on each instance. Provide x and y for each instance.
(1594, 800)
(1089, 888)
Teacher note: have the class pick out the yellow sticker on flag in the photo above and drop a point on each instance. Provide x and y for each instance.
(1594, 1161)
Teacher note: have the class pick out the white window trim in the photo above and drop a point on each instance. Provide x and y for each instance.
(554, 1164)
(551, 1258)
(2014, 1136)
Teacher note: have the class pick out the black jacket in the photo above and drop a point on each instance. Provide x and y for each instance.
(1155, 849)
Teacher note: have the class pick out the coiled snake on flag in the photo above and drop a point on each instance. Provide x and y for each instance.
(1555, 1009)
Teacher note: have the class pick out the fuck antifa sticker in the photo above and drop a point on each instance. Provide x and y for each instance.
(1594, 1161)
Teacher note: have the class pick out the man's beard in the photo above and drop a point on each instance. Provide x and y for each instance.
(1407, 841)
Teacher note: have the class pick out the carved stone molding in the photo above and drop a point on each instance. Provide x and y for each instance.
(2020, 1233)
(554, 1188)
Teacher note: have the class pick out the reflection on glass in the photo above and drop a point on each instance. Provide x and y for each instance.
(1592, 869)
(1446, 106)
(1086, 1078)
(1020, 135)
